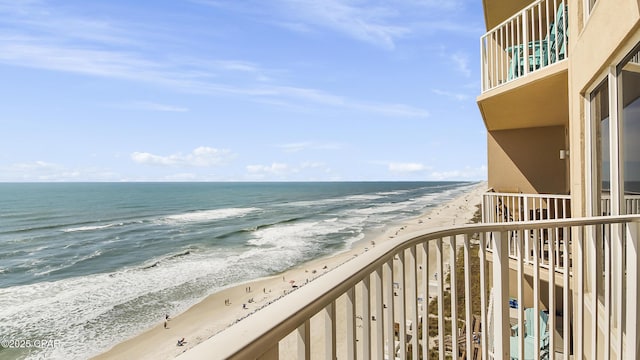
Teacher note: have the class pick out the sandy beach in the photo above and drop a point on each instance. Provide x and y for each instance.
(222, 309)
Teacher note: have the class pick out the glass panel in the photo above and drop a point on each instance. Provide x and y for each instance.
(600, 115)
(631, 135)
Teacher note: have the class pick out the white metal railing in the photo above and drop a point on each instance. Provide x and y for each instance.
(375, 306)
(517, 207)
(530, 40)
(632, 204)
(509, 207)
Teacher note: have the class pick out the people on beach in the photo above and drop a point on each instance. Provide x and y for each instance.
(181, 342)
(165, 324)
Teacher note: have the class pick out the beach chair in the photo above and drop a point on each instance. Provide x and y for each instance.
(541, 52)
(529, 338)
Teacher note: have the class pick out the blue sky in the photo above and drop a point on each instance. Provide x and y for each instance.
(208, 90)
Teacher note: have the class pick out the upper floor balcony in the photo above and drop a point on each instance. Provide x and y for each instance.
(527, 42)
(523, 65)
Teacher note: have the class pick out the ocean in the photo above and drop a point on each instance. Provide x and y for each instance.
(84, 266)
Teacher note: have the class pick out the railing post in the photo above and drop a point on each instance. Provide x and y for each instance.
(467, 297)
(351, 323)
(440, 280)
(425, 299)
(330, 331)
(482, 249)
(617, 278)
(566, 288)
(402, 304)
(633, 292)
(501, 326)
(304, 340)
(577, 234)
(520, 290)
(379, 330)
(366, 318)
(525, 42)
(454, 297)
(413, 300)
(389, 314)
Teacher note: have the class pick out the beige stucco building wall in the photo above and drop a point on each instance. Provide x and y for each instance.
(527, 160)
(596, 42)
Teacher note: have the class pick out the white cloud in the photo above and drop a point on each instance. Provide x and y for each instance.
(295, 147)
(437, 4)
(467, 173)
(304, 171)
(274, 168)
(200, 157)
(37, 53)
(295, 26)
(51, 39)
(46, 171)
(406, 167)
(461, 62)
(36, 165)
(314, 165)
(323, 98)
(182, 177)
(238, 65)
(393, 110)
(367, 22)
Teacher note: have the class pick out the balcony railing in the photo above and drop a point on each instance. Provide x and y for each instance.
(530, 40)
(393, 302)
(518, 207)
(632, 204)
(510, 207)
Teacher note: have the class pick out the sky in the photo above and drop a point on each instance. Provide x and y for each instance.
(240, 90)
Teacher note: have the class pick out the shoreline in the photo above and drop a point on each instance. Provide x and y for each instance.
(224, 308)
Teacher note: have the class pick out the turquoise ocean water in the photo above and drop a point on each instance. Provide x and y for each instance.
(84, 266)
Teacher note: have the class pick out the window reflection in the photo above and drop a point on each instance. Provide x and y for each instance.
(600, 113)
(630, 77)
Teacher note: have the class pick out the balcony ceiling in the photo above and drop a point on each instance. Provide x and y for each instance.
(497, 11)
(538, 100)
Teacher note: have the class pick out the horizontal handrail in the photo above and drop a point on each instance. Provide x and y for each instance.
(544, 196)
(258, 336)
(509, 207)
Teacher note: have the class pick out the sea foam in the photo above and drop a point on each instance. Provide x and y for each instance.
(208, 215)
(88, 314)
(91, 228)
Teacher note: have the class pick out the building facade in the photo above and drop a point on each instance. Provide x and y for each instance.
(560, 101)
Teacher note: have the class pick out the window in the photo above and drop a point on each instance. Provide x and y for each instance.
(616, 146)
(629, 74)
